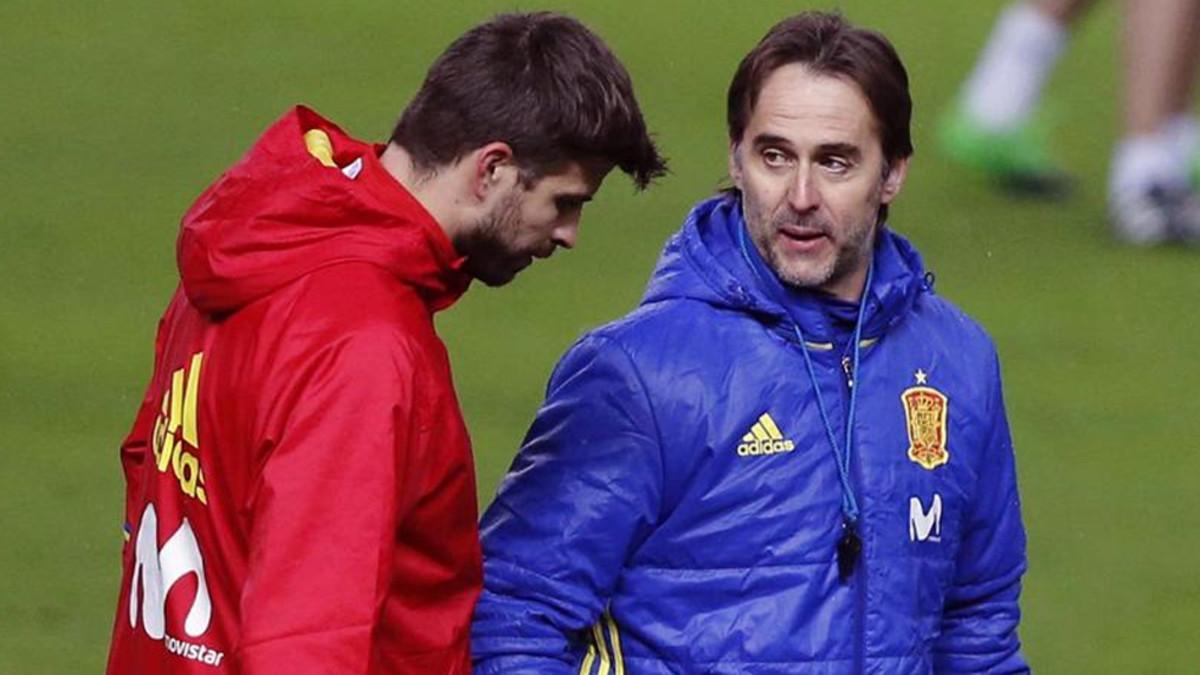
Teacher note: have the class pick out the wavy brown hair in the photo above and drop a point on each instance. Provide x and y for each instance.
(540, 82)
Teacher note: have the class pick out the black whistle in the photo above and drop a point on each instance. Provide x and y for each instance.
(848, 549)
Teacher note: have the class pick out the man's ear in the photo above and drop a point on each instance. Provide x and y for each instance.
(735, 166)
(893, 180)
(493, 167)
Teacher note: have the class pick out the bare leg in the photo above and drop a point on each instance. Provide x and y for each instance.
(1160, 61)
(1065, 12)
(991, 128)
(1150, 195)
(1189, 64)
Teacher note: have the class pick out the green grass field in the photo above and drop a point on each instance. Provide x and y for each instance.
(115, 115)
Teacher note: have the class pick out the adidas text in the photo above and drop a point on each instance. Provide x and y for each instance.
(767, 447)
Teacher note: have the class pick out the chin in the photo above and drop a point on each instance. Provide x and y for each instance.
(804, 277)
(495, 277)
(499, 271)
(802, 274)
(496, 280)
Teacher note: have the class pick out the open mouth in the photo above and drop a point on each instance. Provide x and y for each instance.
(802, 238)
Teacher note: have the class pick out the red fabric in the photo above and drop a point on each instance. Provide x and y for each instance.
(323, 500)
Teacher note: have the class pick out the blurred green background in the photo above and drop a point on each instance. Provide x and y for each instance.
(114, 115)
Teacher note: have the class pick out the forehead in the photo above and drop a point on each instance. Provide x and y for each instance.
(797, 103)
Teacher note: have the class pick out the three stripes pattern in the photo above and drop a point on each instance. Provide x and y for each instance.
(603, 656)
(764, 430)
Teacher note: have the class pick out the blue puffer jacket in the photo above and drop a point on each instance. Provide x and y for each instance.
(676, 506)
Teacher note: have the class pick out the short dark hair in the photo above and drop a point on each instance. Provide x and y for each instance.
(542, 83)
(829, 45)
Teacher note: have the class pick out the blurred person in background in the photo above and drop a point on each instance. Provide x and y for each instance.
(794, 457)
(300, 494)
(1152, 175)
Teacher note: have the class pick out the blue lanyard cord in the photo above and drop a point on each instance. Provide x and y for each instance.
(841, 459)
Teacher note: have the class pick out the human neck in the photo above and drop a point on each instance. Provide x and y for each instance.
(436, 191)
(849, 287)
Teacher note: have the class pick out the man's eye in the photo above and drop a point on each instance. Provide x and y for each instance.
(774, 158)
(836, 164)
(567, 204)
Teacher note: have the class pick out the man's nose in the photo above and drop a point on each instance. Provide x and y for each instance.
(803, 194)
(565, 235)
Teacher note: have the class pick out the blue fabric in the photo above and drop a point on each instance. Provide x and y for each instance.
(839, 315)
(634, 524)
(834, 312)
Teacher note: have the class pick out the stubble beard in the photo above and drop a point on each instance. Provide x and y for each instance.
(487, 244)
(807, 272)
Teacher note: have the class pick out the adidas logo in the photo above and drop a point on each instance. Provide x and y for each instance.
(764, 439)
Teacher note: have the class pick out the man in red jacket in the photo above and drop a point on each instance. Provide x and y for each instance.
(300, 492)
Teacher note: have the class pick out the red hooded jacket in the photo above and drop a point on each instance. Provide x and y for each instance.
(300, 491)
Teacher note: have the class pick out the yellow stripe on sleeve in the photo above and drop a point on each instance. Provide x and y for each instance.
(605, 664)
(588, 660)
(615, 637)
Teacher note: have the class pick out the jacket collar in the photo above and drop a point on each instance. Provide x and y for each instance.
(281, 213)
(703, 261)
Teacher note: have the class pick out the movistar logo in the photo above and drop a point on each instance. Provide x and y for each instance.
(764, 438)
(158, 570)
(925, 524)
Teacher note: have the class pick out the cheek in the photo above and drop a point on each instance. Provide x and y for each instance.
(855, 206)
(762, 192)
(541, 222)
(532, 227)
(763, 182)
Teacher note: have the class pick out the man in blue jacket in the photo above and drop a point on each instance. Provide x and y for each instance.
(793, 457)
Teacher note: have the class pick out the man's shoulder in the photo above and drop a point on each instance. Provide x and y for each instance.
(658, 325)
(941, 329)
(658, 339)
(936, 317)
(360, 294)
(357, 303)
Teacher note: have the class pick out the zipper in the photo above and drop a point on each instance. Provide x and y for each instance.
(860, 572)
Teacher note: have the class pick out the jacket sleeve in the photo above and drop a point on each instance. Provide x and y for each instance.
(583, 491)
(979, 624)
(337, 427)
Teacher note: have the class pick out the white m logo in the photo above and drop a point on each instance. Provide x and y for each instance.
(925, 525)
(159, 571)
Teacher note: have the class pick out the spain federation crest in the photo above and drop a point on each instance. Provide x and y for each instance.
(925, 410)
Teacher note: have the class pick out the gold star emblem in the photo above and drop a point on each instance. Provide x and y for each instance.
(921, 376)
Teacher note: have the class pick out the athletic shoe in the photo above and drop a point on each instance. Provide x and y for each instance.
(1157, 216)
(1017, 160)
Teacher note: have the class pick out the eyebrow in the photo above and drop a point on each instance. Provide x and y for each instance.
(845, 149)
(764, 140)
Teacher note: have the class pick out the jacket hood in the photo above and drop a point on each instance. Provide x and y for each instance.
(284, 211)
(704, 261)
